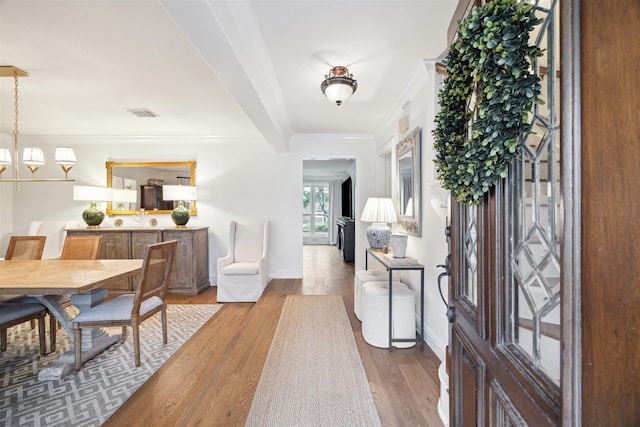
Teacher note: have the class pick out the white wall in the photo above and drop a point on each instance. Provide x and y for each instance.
(431, 248)
(236, 179)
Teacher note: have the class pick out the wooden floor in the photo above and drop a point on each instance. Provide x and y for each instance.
(211, 380)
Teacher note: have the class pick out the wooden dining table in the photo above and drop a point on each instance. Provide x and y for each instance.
(52, 282)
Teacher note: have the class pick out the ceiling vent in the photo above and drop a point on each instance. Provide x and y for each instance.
(141, 112)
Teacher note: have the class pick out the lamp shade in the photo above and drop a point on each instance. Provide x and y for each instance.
(179, 192)
(5, 157)
(125, 196)
(379, 209)
(65, 156)
(33, 156)
(92, 194)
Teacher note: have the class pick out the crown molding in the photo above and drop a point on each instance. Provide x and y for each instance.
(417, 82)
(137, 139)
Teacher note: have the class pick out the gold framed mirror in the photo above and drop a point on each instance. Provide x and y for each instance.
(147, 179)
(408, 189)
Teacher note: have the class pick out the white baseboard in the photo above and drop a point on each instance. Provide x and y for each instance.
(435, 343)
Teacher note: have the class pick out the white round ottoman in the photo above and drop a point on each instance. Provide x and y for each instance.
(359, 279)
(375, 314)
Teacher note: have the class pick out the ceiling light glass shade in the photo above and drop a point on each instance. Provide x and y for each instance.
(180, 215)
(339, 85)
(92, 216)
(379, 211)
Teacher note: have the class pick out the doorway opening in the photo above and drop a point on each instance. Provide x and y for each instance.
(327, 196)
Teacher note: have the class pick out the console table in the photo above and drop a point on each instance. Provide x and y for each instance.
(391, 267)
(190, 274)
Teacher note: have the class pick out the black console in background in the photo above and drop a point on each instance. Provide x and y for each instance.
(346, 238)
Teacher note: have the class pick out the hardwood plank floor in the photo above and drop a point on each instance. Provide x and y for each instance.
(211, 380)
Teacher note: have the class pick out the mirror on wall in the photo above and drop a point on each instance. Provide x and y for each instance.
(408, 192)
(147, 178)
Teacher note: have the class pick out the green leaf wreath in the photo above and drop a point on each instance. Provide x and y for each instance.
(489, 64)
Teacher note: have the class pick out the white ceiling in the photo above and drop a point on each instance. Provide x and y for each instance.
(211, 69)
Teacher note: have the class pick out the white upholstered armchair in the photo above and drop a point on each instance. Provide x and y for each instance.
(243, 272)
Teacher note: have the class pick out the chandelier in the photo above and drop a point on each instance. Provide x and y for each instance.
(338, 85)
(32, 157)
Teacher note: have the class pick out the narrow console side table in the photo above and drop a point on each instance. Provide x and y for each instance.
(391, 267)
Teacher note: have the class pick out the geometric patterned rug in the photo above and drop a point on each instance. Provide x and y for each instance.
(88, 397)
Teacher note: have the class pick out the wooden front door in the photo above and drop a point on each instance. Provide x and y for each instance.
(505, 340)
(545, 287)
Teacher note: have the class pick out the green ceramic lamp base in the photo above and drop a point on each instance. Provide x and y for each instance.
(93, 216)
(180, 215)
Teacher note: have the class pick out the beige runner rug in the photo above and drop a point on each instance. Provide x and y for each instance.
(313, 375)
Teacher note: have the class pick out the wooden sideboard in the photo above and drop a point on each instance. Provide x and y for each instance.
(191, 267)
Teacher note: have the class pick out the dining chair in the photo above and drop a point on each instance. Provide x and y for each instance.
(81, 247)
(25, 248)
(12, 314)
(132, 309)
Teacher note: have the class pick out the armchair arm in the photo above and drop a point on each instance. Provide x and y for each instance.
(224, 261)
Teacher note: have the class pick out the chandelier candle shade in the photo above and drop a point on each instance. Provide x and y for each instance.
(379, 211)
(66, 158)
(92, 216)
(339, 85)
(32, 157)
(180, 193)
(5, 160)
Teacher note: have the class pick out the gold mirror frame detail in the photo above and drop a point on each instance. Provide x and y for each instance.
(409, 147)
(191, 165)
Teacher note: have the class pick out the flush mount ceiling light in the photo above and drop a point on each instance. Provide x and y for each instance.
(32, 157)
(339, 85)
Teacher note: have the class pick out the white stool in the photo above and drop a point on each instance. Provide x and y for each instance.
(359, 279)
(375, 322)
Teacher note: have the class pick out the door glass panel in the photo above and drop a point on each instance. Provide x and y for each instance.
(315, 209)
(471, 254)
(321, 208)
(536, 215)
(306, 209)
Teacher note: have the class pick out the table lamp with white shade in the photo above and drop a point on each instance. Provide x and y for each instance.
(92, 216)
(380, 212)
(180, 193)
